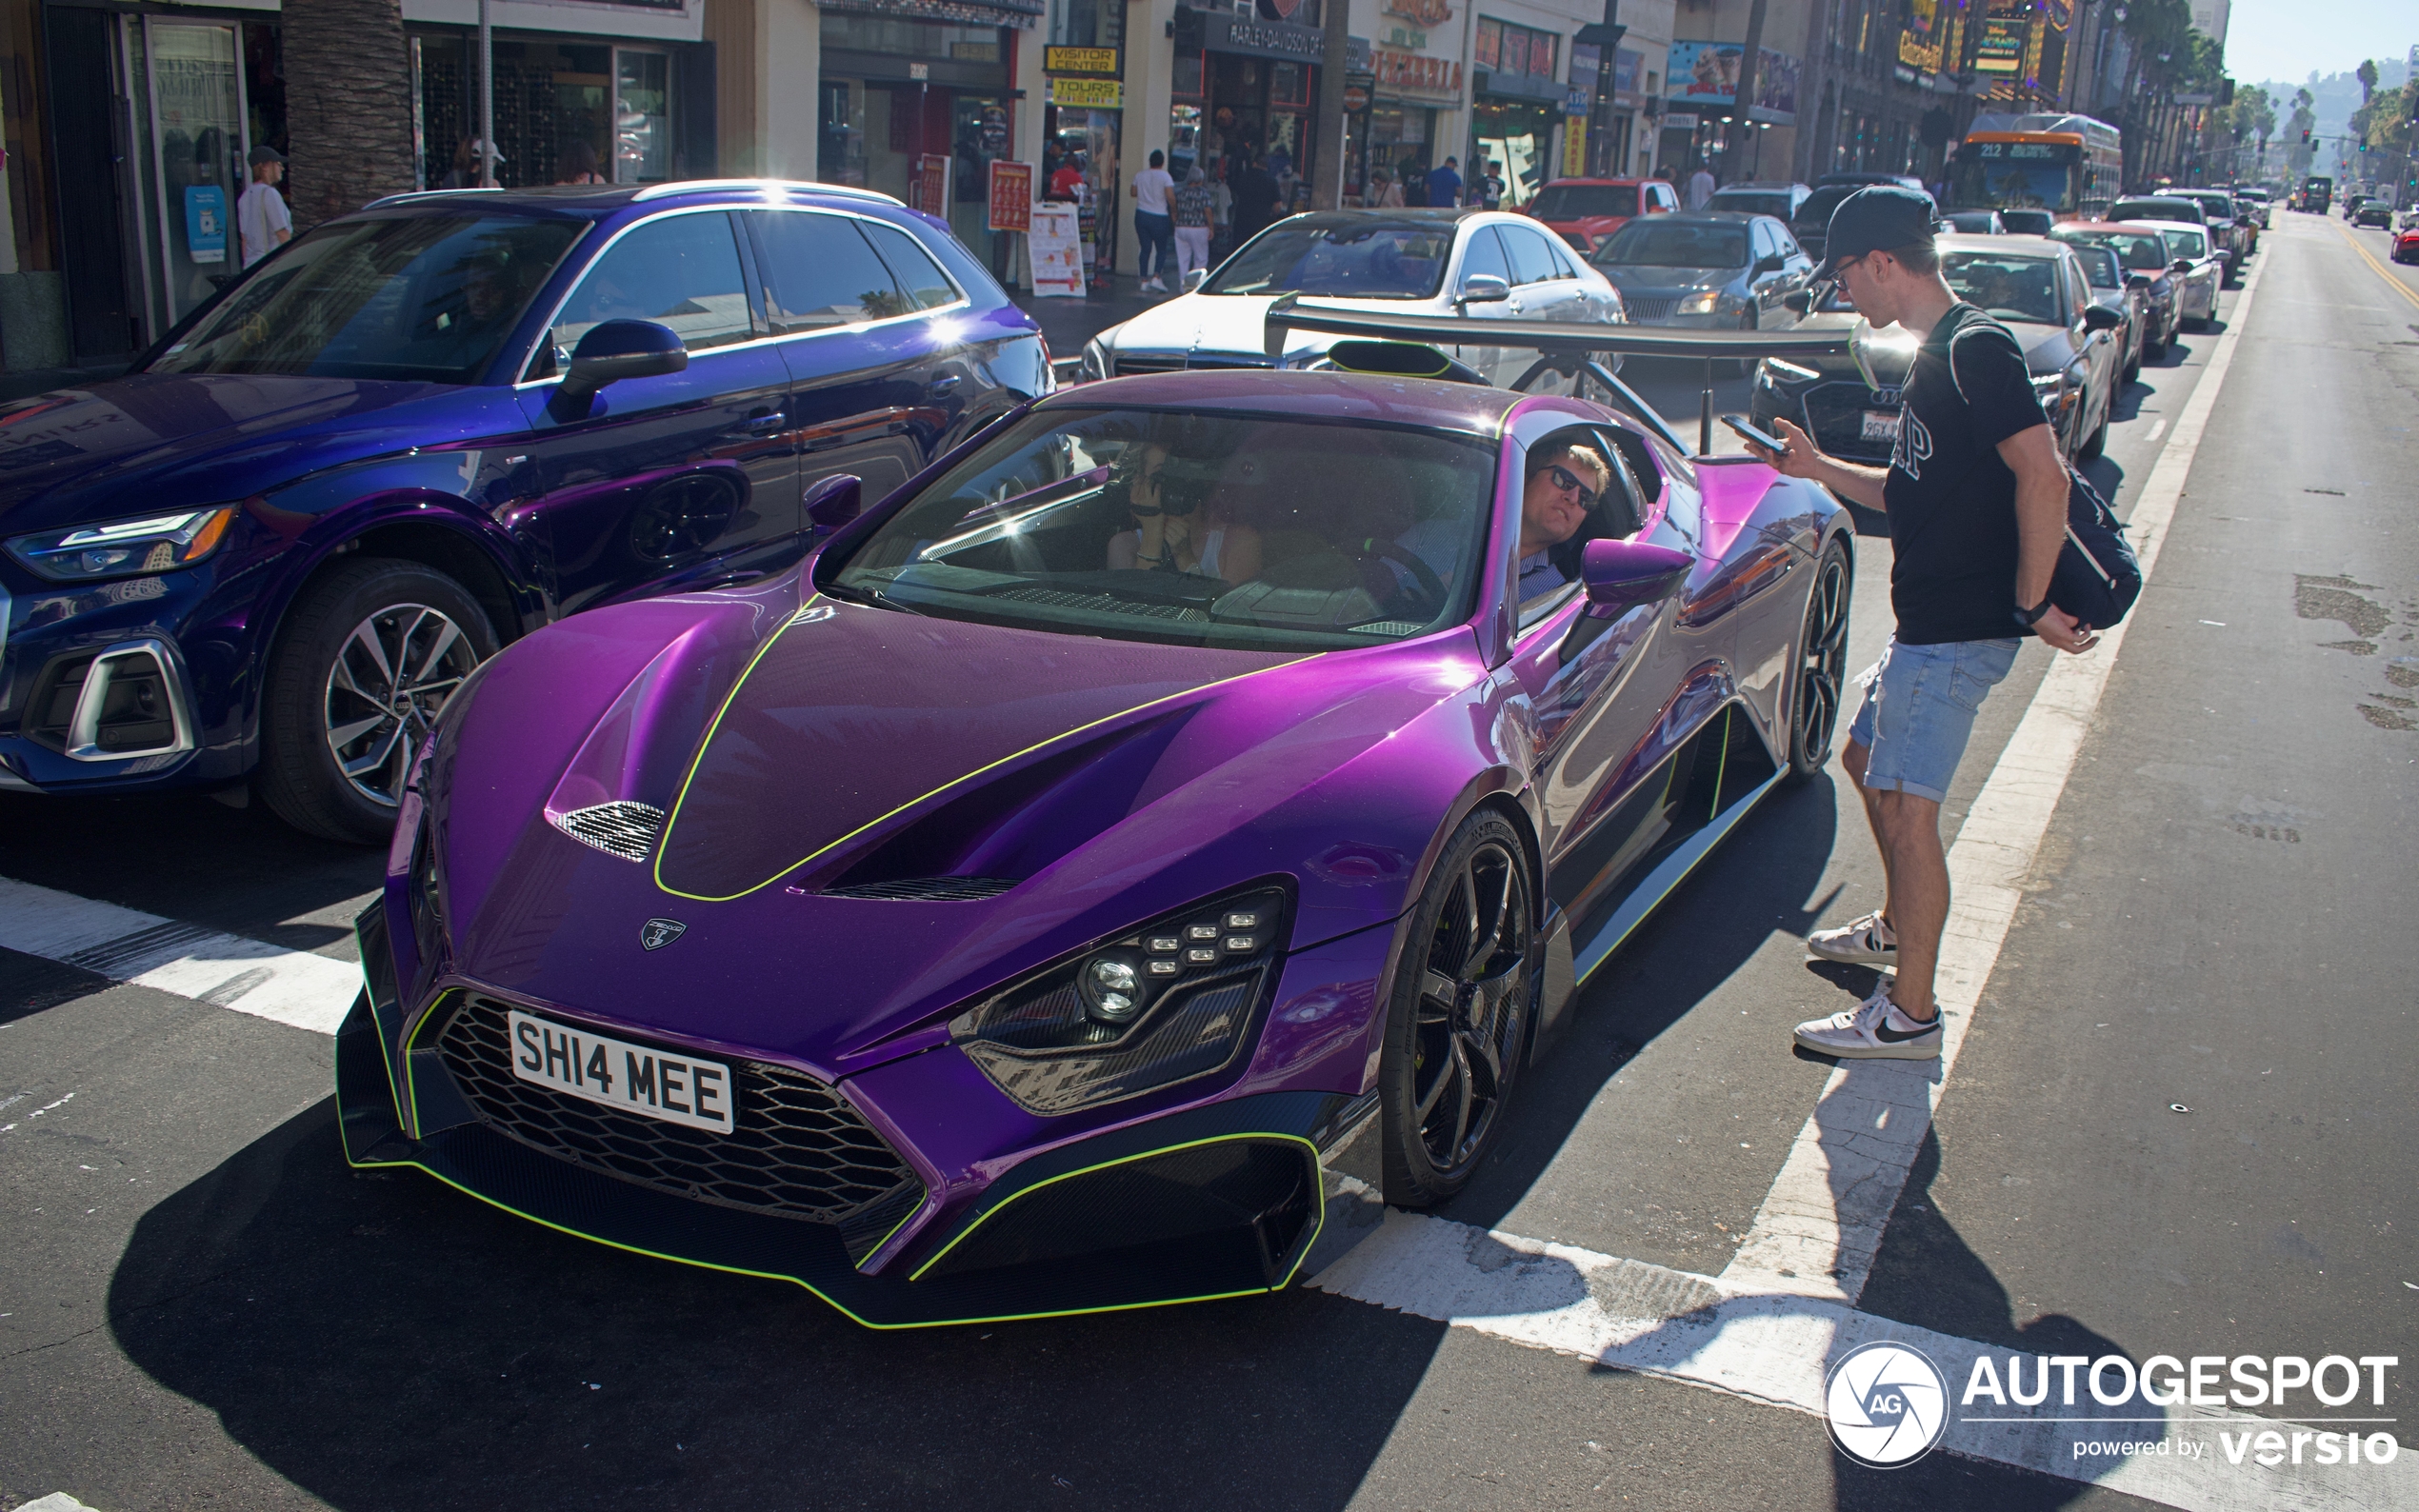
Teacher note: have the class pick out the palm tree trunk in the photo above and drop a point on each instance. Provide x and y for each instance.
(348, 106)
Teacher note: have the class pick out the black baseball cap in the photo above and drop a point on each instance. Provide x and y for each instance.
(265, 153)
(1878, 218)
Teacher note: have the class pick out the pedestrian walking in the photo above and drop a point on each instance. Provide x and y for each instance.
(1196, 206)
(1255, 200)
(1976, 495)
(1700, 186)
(262, 222)
(1387, 192)
(577, 164)
(1154, 224)
(1222, 211)
(1445, 183)
(1491, 186)
(1414, 182)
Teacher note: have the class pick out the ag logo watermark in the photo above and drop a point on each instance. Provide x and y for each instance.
(1887, 1404)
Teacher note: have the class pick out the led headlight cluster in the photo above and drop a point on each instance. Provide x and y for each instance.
(1170, 1001)
(155, 542)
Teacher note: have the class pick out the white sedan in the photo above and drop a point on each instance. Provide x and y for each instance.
(1480, 264)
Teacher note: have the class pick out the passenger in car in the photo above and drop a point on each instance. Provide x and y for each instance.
(1172, 531)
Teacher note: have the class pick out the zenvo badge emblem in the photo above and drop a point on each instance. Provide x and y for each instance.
(656, 933)
(1887, 1404)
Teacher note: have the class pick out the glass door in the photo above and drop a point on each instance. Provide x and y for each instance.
(197, 156)
(642, 117)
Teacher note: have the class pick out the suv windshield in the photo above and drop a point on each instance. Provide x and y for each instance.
(2005, 288)
(2162, 208)
(1192, 528)
(1751, 202)
(1667, 243)
(1354, 257)
(2140, 249)
(1570, 202)
(1817, 211)
(408, 298)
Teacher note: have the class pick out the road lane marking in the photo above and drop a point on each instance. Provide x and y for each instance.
(2157, 428)
(1821, 1224)
(2383, 271)
(1773, 1349)
(125, 945)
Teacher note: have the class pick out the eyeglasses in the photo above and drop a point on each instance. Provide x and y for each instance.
(1564, 478)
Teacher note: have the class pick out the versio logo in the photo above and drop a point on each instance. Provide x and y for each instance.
(1888, 1404)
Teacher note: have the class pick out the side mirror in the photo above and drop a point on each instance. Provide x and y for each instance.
(2182, 264)
(1196, 279)
(1623, 574)
(1770, 263)
(612, 350)
(836, 501)
(1483, 288)
(2100, 317)
(1798, 302)
(2137, 280)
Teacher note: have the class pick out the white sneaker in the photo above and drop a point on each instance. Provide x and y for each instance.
(1872, 1030)
(1152, 286)
(1860, 941)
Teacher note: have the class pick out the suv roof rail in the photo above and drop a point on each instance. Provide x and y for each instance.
(656, 191)
(410, 195)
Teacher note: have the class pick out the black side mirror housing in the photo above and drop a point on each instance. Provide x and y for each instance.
(2137, 280)
(1797, 303)
(612, 350)
(2100, 317)
(1770, 263)
(2182, 264)
(836, 501)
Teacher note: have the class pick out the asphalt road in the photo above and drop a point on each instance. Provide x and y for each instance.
(200, 1306)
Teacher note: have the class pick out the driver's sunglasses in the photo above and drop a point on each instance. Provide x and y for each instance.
(1564, 478)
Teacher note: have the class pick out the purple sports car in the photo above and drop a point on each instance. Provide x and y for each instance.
(1194, 791)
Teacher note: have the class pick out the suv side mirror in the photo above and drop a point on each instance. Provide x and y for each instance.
(1770, 263)
(612, 350)
(1798, 302)
(836, 501)
(2137, 280)
(2100, 317)
(2182, 264)
(1483, 288)
(1623, 574)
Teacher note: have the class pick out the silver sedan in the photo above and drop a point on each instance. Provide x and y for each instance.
(1482, 264)
(2198, 270)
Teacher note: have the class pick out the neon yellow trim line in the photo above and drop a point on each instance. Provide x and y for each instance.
(1722, 770)
(1128, 1160)
(921, 1203)
(409, 1116)
(818, 1293)
(706, 744)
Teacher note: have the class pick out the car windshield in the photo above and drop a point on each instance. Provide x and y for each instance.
(1752, 202)
(2187, 242)
(412, 298)
(2138, 248)
(1662, 242)
(2155, 210)
(2100, 265)
(1570, 202)
(1974, 223)
(2027, 223)
(2003, 286)
(1348, 257)
(1192, 528)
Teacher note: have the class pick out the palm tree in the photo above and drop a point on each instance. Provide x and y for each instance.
(348, 106)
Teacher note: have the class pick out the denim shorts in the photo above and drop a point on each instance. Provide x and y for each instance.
(1919, 709)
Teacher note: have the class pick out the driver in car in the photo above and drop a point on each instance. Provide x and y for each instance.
(1563, 484)
(1171, 532)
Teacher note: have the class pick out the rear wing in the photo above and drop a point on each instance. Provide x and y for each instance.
(1566, 348)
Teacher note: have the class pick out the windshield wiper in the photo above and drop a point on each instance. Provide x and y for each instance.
(873, 596)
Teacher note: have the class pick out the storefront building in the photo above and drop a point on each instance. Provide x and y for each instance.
(1415, 79)
(1246, 83)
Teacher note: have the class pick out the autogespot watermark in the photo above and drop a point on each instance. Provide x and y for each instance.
(1888, 1406)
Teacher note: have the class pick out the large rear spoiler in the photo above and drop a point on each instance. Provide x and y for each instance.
(1566, 348)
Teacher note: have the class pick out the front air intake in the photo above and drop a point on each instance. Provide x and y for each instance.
(619, 829)
(928, 889)
(122, 702)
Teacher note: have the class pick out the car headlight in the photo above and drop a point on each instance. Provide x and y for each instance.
(1774, 371)
(1704, 303)
(154, 543)
(1171, 1001)
(1096, 365)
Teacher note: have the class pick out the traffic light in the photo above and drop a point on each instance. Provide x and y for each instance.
(2305, 136)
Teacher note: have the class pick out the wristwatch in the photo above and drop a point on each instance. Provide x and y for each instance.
(2028, 617)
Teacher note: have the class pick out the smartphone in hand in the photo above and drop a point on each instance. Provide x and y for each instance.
(1762, 438)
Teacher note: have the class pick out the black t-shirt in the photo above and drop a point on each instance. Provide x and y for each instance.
(1952, 499)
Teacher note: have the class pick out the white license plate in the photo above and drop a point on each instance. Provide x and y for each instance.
(677, 1089)
(1881, 425)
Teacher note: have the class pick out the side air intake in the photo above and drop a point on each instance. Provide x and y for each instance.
(624, 829)
(928, 889)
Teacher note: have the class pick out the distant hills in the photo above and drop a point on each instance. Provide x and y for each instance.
(2336, 94)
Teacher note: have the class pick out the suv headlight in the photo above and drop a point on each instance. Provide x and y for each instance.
(155, 542)
(1170, 1001)
(1702, 303)
(2050, 390)
(1095, 364)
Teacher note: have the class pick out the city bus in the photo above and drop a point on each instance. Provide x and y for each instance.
(2071, 166)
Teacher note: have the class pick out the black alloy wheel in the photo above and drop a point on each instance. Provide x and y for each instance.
(1822, 666)
(1458, 1025)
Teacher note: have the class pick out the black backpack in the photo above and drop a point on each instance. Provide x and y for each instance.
(2098, 577)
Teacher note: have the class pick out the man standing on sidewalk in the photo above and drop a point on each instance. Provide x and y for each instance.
(1445, 183)
(1976, 493)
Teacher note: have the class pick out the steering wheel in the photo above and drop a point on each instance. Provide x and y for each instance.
(1425, 582)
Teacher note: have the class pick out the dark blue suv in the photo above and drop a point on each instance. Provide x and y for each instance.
(272, 550)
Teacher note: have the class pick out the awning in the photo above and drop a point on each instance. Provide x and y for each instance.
(963, 12)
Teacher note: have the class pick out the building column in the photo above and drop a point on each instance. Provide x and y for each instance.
(767, 66)
(1151, 67)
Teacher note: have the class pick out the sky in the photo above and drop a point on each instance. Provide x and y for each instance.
(2286, 39)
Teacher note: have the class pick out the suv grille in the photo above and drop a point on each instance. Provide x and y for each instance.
(1643, 310)
(798, 1148)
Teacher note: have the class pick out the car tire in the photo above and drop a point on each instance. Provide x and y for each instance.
(1821, 685)
(331, 685)
(1458, 1021)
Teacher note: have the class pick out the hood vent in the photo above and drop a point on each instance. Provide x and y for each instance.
(620, 828)
(928, 889)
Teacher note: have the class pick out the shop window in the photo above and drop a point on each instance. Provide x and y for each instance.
(927, 287)
(1288, 84)
(641, 118)
(681, 271)
(819, 272)
(1491, 44)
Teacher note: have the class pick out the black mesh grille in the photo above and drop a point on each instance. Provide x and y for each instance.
(1642, 310)
(1835, 418)
(797, 1147)
(928, 889)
